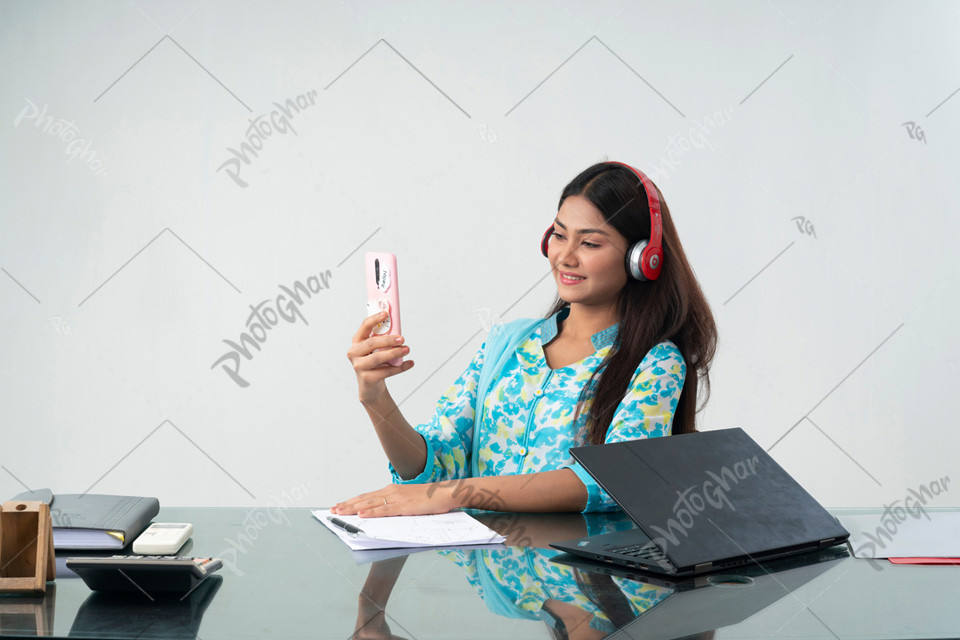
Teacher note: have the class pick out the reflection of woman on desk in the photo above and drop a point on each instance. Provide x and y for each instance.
(620, 356)
(521, 582)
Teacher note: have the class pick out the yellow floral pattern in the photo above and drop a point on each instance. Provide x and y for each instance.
(527, 423)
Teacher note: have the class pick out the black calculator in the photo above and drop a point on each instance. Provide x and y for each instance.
(148, 574)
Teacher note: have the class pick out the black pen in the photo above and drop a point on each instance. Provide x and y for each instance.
(346, 526)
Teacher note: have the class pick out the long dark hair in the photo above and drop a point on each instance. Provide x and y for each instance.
(672, 307)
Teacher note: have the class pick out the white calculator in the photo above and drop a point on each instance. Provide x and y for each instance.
(162, 538)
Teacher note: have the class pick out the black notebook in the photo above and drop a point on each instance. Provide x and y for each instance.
(92, 521)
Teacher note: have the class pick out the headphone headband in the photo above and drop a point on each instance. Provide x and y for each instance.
(652, 254)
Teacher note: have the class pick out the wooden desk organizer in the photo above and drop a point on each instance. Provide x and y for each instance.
(27, 559)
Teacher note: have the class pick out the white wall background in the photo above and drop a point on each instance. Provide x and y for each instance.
(823, 228)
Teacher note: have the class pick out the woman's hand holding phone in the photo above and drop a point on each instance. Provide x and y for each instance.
(369, 355)
(376, 354)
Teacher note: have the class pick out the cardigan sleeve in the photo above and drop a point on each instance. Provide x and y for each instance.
(449, 432)
(646, 411)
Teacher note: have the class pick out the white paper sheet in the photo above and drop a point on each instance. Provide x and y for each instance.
(901, 533)
(442, 530)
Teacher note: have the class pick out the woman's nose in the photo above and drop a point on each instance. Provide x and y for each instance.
(568, 256)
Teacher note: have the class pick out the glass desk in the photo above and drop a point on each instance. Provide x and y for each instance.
(286, 576)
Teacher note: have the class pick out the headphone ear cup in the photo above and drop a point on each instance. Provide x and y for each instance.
(651, 261)
(635, 258)
(545, 242)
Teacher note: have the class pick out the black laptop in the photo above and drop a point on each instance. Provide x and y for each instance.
(704, 502)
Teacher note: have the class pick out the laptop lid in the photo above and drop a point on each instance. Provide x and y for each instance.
(709, 496)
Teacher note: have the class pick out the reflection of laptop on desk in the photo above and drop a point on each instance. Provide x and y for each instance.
(709, 602)
(703, 502)
(726, 600)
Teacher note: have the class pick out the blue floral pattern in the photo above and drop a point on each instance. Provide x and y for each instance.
(516, 581)
(528, 422)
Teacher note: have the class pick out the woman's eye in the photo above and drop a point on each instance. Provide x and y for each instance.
(557, 234)
(592, 245)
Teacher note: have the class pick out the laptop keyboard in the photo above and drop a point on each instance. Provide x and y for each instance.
(646, 551)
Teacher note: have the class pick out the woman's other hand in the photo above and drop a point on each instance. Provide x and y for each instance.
(403, 500)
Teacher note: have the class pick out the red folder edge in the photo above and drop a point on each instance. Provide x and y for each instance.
(924, 560)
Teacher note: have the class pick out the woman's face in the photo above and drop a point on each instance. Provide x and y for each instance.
(586, 255)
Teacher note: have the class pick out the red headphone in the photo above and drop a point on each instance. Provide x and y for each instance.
(645, 258)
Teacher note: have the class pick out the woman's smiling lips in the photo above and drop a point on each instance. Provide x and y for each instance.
(570, 278)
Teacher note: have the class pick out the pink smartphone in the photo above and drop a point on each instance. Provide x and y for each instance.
(383, 294)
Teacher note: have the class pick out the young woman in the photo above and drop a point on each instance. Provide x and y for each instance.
(620, 356)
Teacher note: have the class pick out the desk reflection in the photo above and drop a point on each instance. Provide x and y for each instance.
(371, 614)
(582, 600)
(28, 614)
(135, 614)
(520, 580)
